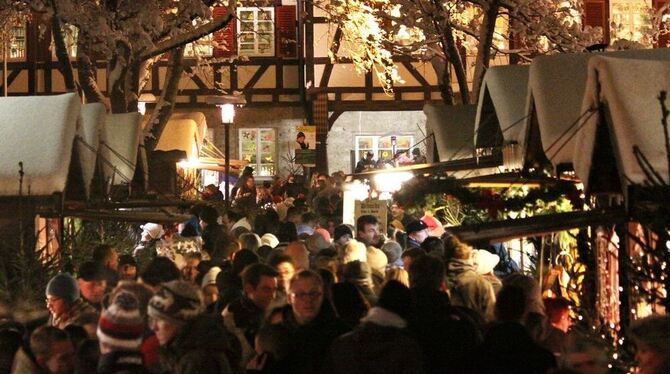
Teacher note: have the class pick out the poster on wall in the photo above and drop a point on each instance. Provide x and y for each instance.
(375, 208)
(305, 146)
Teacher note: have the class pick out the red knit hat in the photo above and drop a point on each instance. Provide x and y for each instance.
(121, 325)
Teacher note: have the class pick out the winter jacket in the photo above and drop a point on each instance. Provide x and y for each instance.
(24, 364)
(445, 335)
(121, 362)
(310, 343)
(201, 346)
(509, 348)
(79, 314)
(469, 289)
(381, 344)
(243, 318)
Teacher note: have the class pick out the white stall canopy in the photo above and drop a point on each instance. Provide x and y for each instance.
(184, 132)
(627, 92)
(501, 109)
(120, 140)
(453, 128)
(39, 132)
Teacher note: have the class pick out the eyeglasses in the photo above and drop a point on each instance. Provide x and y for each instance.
(305, 295)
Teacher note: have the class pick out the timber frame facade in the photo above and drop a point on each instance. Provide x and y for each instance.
(265, 81)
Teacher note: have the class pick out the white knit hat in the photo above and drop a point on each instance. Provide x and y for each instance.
(270, 240)
(484, 260)
(153, 229)
(210, 276)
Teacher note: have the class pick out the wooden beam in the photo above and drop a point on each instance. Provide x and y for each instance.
(10, 78)
(195, 78)
(334, 48)
(333, 117)
(499, 231)
(376, 106)
(257, 76)
(419, 78)
(124, 216)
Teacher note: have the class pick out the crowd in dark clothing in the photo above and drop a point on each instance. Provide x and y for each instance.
(281, 285)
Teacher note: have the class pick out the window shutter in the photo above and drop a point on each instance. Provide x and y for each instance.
(224, 37)
(664, 38)
(286, 33)
(594, 13)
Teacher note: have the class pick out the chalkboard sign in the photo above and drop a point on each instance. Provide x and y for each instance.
(306, 157)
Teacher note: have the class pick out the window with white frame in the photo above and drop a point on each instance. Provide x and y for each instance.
(630, 20)
(17, 43)
(381, 146)
(255, 31)
(258, 148)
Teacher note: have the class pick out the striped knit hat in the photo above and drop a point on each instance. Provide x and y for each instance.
(121, 325)
(176, 302)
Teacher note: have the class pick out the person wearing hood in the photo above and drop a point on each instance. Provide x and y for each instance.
(467, 287)
(190, 340)
(381, 343)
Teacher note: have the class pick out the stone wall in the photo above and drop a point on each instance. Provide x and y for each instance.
(341, 139)
(342, 136)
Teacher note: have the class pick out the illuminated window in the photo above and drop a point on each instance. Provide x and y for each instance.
(381, 146)
(17, 44)
(629, 19)
(255, 29)
(70, 37)
(258, 148)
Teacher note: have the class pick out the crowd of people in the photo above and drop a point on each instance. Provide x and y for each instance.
(278, 284)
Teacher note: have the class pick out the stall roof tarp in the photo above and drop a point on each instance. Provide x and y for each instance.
(556, 88)
(38, 131)
(120, 140)
(184, 134)
(502, 105)
(91, 122)
(629, 90)
(453, 127)
(198, 117)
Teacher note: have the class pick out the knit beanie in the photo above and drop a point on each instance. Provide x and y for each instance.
(392, 250)
(121, 325)
(63, 286)
(323, 232)
(154, 230)
(342, 230)
(176, 302)
(210, 277)
(270, 240)
(316, 242)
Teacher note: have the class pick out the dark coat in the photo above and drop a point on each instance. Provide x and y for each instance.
(121, 362)
(310, 343)
(446, 336)
(509, 348)
(372, 348)
(201, 346)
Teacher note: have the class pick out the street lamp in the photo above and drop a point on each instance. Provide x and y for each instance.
(143, 100)
(227, 105)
